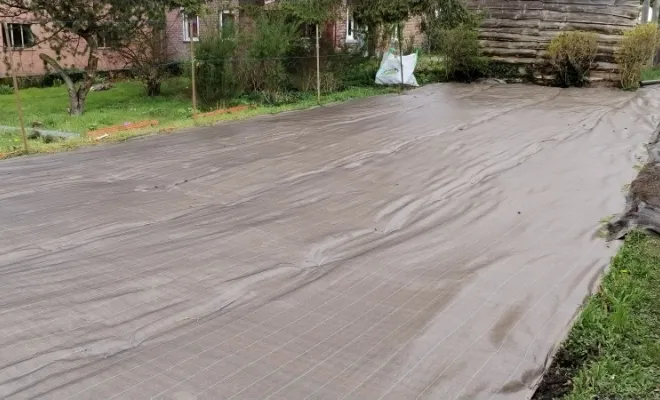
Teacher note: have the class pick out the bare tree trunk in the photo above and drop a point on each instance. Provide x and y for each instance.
(153, 87)
(90, 75)
(77, 94)
(372, 40)
(76, 103)
(645, 11)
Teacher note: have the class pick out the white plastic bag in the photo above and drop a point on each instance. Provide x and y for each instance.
(389, 72)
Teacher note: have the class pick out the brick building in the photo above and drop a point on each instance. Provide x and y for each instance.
(343, 31)
(26, 39)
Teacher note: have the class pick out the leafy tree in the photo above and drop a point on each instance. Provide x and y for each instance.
(311, 11)
(449, 14)
(440, 16)
(375, 15)
(147, 53)
(377, 12)
(216, 81)
(78, 26)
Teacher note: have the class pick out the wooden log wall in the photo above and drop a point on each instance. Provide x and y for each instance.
(519, 31)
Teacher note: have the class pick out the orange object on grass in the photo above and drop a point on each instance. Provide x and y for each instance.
(111, 130)
(223, 111)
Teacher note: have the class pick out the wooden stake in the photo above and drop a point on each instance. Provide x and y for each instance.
(192, 70)
(398, 34)
(318, 67)
(19, 107)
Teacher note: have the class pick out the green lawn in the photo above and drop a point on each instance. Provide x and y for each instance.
(651, 74)
(126, 102)
(613, 350)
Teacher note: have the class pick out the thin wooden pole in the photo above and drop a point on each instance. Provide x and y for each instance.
(398, 34)
(192, 69)
(318, 67)
(19, 106)
(19, 109)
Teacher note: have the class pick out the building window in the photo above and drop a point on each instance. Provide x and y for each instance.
(20, 36)
(351, 27)
(227, 23)
(190, 28)
(107, 40)
(308, 30)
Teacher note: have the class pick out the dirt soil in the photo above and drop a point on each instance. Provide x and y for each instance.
(643, 199)
(556, 382)
(431, 245)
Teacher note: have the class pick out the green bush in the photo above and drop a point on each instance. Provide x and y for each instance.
(454, 15)
(572, 56)
(301, 65)
(635, 51)
(216, 81)
(429, 69)
(352, 68)
(461, 52)
(263, 53)
(6, 89)
(502, 70)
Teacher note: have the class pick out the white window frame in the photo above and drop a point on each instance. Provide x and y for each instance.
(221, 24)
(230, 12)
(186, 28)
(309, 35)
(10, 40)
(351, 34)
(102, 42)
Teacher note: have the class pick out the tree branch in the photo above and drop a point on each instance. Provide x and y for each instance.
(58, 68)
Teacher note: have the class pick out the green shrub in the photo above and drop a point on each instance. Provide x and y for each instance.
(502, 70)
(429, 69)
(634, 52)
(301, 66)
(6, 89)
(462, 53)
(263, 53)
(216, 81)
(352, 68)
(572, 56)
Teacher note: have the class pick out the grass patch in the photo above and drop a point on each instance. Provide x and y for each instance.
(11, 144)
(126, 102)
(651, 74)
(613, 350)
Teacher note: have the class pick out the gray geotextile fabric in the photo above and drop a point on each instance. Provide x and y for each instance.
(435, 244)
